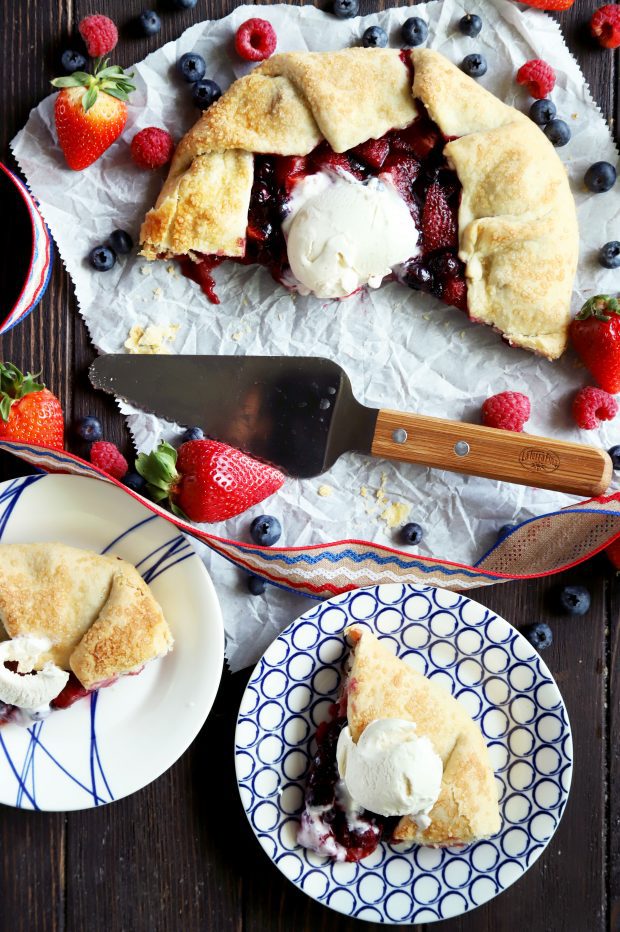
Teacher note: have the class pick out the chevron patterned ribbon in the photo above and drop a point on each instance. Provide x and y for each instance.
(539, 547)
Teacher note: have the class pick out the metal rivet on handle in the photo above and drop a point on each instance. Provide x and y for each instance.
(461, 448)
(399, 435)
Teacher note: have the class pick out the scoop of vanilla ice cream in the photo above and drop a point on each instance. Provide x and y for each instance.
(391, 770)
(342, 233)
(35, 691)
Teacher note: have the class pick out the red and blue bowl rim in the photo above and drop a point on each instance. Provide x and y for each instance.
(40, 261)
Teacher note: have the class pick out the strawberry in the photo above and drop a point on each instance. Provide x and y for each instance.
(206, 480)
(90, 112)
(373, 152)
(420, 138)
(557, 5)
(402, 171)
(438, 221)
(595, 333)
(455, 293)
(289, 170)
(28, 411)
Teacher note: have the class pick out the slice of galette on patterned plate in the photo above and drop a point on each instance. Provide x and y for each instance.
(338, 170)
(400, 761)
(71, 622)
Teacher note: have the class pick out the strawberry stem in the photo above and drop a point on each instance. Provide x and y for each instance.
(601, 306)
(14, 385)
(109, 79)
(159, 470)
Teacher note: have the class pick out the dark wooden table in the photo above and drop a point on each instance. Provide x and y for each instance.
(179, 855)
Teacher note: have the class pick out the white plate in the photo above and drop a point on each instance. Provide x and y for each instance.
(489, 667)
(127, 734)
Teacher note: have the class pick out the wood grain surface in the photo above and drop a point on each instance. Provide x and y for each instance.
(179, 855)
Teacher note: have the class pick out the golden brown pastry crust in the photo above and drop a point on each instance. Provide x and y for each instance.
(96, 610)
(382, 686)
(518, 231)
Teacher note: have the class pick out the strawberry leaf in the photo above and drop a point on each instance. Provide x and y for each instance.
(599, 307)
(89, 98)
(79, 79)
(14, 385)
(108, 72)
(116, 92)
(159, 468)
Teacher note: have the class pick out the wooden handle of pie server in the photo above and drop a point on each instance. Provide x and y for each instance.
(494, 454)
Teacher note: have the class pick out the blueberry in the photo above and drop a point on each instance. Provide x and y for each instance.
(505, 530)
(470, 25)
(135, 482)
(419, 276)
(345, 9)
(474, 65)
(89, 428)
(192, 433)
(445, 265)
(265, 530)
(102, 259)
(542, 111)
(121, 242)
(575, 600)
(205, 93)
(614, 452)
(375, 38)
(256, 585)
(72, 61)
(539, 635)
(184, 4)
(149, 22)
(411, 533)
(557, 132)
(191, 66)
(609, 255)
(600, 177)
(414, 31)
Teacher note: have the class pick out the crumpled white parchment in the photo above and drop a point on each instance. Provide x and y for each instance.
(401, 349)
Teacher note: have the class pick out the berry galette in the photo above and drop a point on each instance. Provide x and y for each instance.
(337, 170)
(71, 621)
(400, 760)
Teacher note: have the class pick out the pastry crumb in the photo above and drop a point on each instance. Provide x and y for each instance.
(151, 340)
(171, 270)
(426, 316)
(145, 270)
(395, 513)
(325, 491)
(364, 491)
(236, 336)
(158, 293)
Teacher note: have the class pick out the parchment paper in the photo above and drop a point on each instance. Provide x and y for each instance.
(401, 349)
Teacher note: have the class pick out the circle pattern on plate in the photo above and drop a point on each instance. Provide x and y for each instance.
(488, 667)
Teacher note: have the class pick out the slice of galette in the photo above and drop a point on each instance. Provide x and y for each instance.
(401, 760)
(338, 170)
(71, 621)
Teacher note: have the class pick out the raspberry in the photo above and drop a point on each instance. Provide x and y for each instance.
(99, 33)
(152, 147)
(455, 293)
(508, 411)
(255, 40)
(537, 77)
(108, 457)
(605, 26)
(593, 405)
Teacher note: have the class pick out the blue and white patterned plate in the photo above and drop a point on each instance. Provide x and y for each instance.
(127, 734)
(497, 676)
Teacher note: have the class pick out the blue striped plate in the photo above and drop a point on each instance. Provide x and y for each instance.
(124, 736)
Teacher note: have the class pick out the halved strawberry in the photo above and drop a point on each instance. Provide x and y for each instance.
(90, 112)
(402, 170)
(455, 293)
(420, 138)
(324, 158)
(373, 152)
(439, 227)
(206, 480)
(289, 170)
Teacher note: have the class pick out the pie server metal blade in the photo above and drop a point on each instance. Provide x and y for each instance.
(300, 414)
(296, 412)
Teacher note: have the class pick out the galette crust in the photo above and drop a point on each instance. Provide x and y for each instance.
(96, 610)
(518, 233)
(382, 686)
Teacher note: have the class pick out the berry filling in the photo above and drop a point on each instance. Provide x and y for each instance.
(327, 825)
(72, 692)
(410, 159)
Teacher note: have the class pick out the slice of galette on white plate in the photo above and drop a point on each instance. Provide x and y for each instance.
(339, 170)
(72, 621)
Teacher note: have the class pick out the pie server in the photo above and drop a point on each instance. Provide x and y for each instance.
(299, 413)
